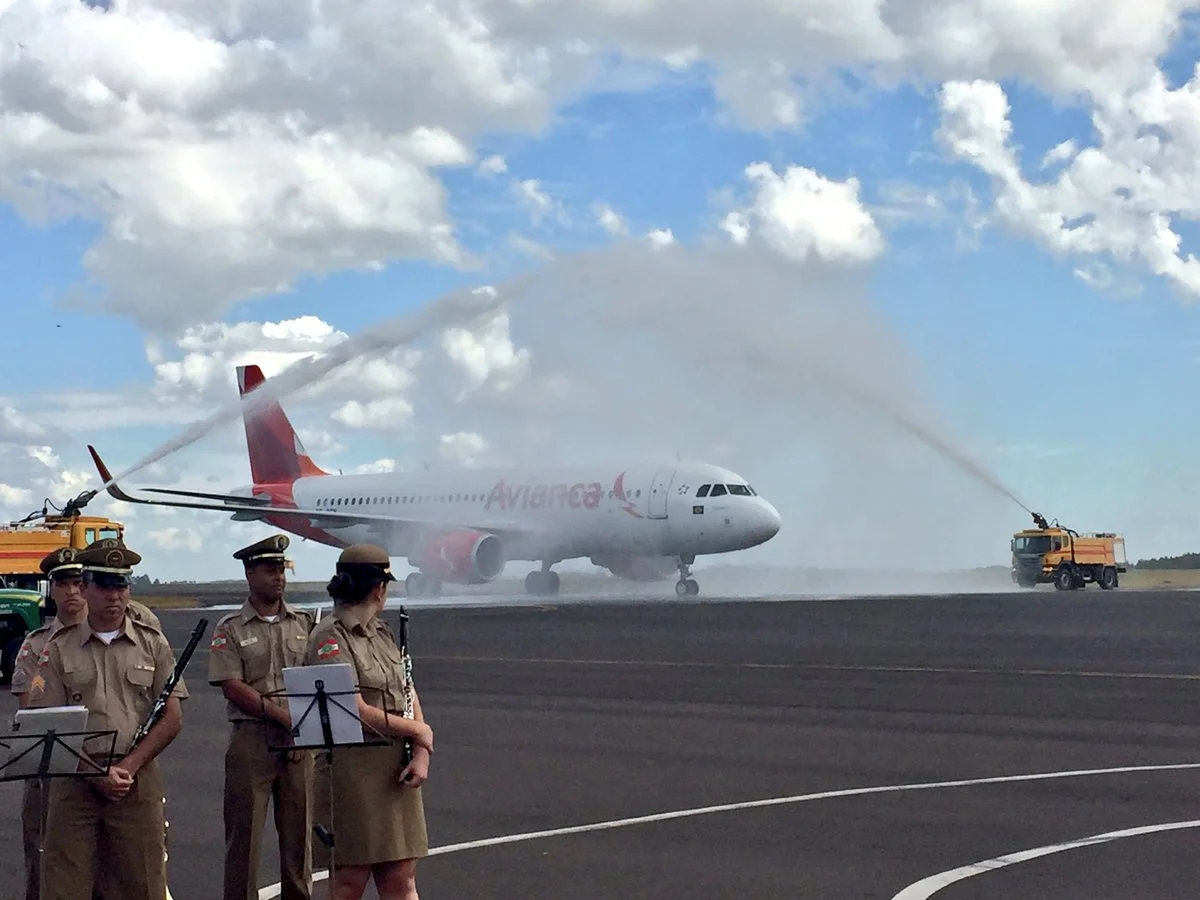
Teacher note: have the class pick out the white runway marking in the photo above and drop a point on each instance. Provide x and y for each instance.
(272, 891)
(822, 667)
(927, 887)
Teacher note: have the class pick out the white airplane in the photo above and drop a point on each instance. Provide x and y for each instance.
(640, 522)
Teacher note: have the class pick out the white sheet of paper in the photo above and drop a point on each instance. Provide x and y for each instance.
(29, 725)
(338, 680)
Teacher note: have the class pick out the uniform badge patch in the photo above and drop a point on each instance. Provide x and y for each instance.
(219, 640)
(24, 654)
(38, 684)
(45, 657)
(328, 647)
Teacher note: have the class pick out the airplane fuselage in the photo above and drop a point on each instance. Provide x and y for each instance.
(550, 514)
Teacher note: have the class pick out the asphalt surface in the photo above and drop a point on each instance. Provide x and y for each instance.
(565, 714)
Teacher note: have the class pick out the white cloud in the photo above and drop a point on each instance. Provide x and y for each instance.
(660, 237)
(228, 150)
(1114, 200)
(609, 219)
(390, 414)
(801, 213)
(377, 467)
(11, 497)
(486, 354)
(532, 195)
(463, 447)
(492, 165)
(174, 538)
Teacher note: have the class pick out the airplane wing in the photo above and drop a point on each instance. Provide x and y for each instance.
(255, 508)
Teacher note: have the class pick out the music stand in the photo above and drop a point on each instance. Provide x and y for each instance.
(336, 724)
(55, 736)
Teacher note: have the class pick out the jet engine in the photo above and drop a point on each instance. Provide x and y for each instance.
(461, 557)
(639, 568)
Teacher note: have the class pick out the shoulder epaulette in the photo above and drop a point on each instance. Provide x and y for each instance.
(43, 627)
(228, 617)
(61, 630)
(149, 626)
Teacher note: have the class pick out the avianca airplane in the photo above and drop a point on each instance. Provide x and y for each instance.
(640, 522)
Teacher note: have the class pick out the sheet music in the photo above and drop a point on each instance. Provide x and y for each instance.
(343, 706)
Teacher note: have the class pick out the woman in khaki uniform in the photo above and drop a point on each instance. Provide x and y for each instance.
(378, 815)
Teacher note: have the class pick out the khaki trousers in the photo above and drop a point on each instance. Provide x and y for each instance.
(31, 827)
(92, 841)
(255, 774)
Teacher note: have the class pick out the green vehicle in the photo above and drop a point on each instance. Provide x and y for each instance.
(21, 611)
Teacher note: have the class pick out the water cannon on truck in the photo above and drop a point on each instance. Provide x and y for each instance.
(1050, 553)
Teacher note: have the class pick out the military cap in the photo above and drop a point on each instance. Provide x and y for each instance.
(110, 558)
(366, 559)
(60, 562)
(270, 549)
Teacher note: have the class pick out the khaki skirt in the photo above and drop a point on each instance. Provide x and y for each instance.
(374, 818)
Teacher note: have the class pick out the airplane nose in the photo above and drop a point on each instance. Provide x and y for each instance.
(767, 522)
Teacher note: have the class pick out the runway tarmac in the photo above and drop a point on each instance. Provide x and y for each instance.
(881, 748)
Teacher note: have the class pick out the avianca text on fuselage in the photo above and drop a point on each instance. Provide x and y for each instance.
(533, 495)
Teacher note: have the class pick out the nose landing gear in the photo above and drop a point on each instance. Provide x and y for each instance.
(686, 586)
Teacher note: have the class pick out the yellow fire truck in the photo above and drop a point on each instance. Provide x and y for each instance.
(1053, 554)
(23, 544)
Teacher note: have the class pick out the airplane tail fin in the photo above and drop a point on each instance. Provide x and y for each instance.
(276, 454)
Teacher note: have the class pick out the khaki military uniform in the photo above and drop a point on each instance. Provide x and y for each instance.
(25, 680)
(118, 683)
(375, 818)
(248, 648)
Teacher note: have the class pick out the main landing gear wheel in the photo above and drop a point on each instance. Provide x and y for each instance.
(418, 584)
(686, 586)
(541, 584)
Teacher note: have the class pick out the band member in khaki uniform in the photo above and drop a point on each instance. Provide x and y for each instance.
(66, 593)
(378, 820)
(249, 652)
(116, 666)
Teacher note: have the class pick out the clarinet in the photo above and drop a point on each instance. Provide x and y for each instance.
(160, 704)
(407, 683)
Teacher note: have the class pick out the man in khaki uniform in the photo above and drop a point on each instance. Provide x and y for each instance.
(250, 649)
(66, 592)
(109, 829)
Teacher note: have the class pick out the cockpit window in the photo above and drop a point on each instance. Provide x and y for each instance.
(740, 490)
(703, 492)
(718, 490)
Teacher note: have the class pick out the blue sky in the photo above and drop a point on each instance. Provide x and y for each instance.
(1075, 395)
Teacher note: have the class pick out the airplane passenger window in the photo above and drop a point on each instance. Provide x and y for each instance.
(718, 490)
(740, 489)
(704, 489)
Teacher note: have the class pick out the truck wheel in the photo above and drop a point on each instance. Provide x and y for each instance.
(1108, 579)
(1064, 579)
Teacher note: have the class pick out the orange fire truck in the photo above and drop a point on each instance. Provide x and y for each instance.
(23, 544)
(1053, 554)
